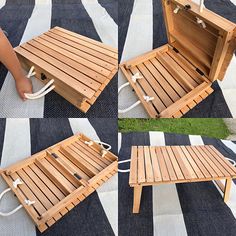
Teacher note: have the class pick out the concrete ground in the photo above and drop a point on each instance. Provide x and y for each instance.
(231, 124)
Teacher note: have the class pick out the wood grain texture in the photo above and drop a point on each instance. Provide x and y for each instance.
(60, 177)
(81, 67)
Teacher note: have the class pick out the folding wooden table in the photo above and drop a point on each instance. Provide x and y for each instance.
(179, 75)
(59, 178)
(81, 67)
(178, 164)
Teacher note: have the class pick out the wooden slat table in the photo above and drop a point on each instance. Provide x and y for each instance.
(80, 66)
(60, 177)
(179, 74)
(178, 164)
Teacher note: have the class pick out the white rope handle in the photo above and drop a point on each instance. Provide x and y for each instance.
(27, 201)
(10, 212)
(233, 162)
(134, 78)
(43, 91)
(104, 151)
(121, 162)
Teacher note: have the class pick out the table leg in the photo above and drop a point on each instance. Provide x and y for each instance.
(137, 198)
(227, 189)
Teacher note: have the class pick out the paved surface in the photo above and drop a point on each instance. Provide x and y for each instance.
(231, 124)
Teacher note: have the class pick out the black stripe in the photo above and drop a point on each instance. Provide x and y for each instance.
(111, 7)
(224, 8)
(2, 134)
(125, 9)
(159, 29)
(214, 106)
(203, 208)
(47, 132)
(13, 19)
(129, 223)
(176, 139)
(88, 218)
(73, 16)
(106, 130)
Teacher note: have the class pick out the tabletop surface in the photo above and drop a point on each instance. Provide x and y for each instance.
(178, 164)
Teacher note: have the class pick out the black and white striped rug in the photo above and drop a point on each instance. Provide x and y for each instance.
(25, 19)
(175, 209)
(97, 214)
(141, 28)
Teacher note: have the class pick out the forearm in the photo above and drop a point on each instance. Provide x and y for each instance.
(8, 57)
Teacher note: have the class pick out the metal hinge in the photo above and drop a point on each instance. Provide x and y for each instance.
(200, 72)
(176, 50)
(54, 155)
(77, 176)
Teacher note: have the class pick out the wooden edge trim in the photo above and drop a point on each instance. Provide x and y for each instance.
(173, 108)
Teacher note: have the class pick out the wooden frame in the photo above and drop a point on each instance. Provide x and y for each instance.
(179, 74)
(178, 164)
(60, 177)
(81, 67)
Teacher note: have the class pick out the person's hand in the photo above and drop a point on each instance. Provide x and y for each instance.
(23, 85)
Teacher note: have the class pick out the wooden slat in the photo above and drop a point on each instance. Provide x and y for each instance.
(204, 162)
(68, 58)
(194, 165)
(107, 50)
(69, 40)
(162, 164)
(169, 165)
(184, 165)
(133, 165)
(81, 88)
(78, 161)
(155, 165)
(175, 164)
(211, 162)
(148, 165)
(141, 165)
(93, 63)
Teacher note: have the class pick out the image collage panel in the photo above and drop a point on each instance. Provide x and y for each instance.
(117, 117)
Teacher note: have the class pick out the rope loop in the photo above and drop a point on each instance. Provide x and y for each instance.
(121, 162)
(43, 91)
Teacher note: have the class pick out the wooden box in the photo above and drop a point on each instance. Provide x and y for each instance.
(60, 177)
(179, 74)
(81, 67)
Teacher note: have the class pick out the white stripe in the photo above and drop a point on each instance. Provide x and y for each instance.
(232, 200)
(119, 141)
(105, 26)
(10, 103)
(108, 192)
(233, 1)
(139, 40)
(196, 140)
(15, 148)
(2, 3)
(230, 145)
(167, 213)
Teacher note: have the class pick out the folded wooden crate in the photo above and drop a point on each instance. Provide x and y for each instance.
(172, 79)
(53, 181)
(80, 67)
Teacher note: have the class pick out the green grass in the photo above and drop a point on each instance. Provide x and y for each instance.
(214, 128)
